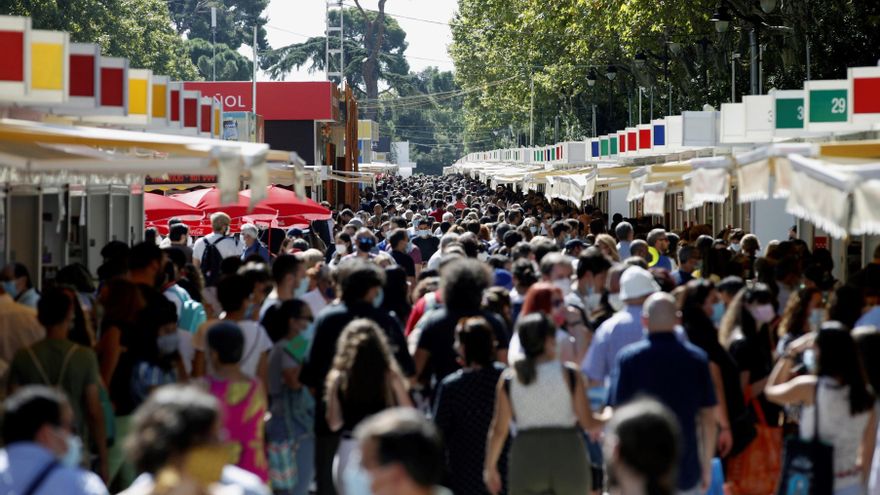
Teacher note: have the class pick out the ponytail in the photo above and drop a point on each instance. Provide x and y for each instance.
(533, 330)
(525, 370)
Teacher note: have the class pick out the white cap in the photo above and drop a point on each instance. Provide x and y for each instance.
(249, 230)
(636, 282)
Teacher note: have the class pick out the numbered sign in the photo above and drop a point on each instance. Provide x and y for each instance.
(612, 143)
(789, 110)
(760, 118)
(865, 90)
(827, 105)
(603, 146)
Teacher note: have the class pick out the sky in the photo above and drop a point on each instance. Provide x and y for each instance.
(425, 23)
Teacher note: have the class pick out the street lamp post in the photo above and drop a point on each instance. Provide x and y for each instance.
(733, 58)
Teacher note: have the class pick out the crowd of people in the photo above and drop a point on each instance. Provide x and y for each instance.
(442, 336)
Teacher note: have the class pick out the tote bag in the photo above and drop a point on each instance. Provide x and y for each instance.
(755, 470)
(808, 466)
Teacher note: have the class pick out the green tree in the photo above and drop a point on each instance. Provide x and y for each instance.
(235, 21)
(368, 61)
(229, 64)
(139, 30)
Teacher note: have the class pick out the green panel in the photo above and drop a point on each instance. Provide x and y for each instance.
(603, 147)
(828, 105)
(613, 145)
(790, 113)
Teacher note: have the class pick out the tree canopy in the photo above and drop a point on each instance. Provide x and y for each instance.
(501, 46)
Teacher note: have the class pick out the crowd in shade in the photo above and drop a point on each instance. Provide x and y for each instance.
(443, 336)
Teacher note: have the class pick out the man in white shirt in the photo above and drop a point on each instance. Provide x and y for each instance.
(228, 246)
(322, 284)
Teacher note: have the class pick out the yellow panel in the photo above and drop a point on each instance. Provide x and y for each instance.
(137, 96)
(159, 101)
(217, 128)
(47, 66)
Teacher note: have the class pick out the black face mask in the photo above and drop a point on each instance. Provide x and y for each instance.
(365, 244)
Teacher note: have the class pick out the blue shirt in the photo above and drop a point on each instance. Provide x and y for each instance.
(21, 462)
(872, 317)
(256, 248)
(676, 374)
(664, 262)
(617, 332)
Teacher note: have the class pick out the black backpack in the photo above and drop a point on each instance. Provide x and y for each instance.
(211, 260)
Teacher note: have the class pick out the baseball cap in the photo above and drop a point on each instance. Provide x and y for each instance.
(294, 232)
(503, 278)
(636, 282)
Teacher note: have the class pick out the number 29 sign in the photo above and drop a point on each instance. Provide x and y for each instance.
(826, 105)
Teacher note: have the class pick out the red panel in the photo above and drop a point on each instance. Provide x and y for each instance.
(190, 112)
(275, 100)
(112, 94)
(12, 44)
(866, 97)
(645, 139)
(206, 118)
(633, 141)
(621, 142)
(175, 105)
(82, 75)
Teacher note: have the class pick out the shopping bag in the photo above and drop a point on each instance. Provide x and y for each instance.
(755, 470)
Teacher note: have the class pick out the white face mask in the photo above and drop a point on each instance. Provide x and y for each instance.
(564, 285)
(341, 249)
(615, 302)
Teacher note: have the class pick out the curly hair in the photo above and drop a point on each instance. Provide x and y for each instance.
(363, 360)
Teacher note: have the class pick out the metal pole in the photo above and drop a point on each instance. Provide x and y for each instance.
(595, 134)
(640, 104)
(652, 105)
(213, 43)
(733, 78)
(809, 20)
(254, 89)
(532, 113)
(556, 129)
(753, 62)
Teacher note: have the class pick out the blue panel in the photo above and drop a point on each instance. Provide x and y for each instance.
(659, 135)
(594, 148)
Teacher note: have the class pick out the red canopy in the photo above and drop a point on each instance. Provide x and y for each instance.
(287, 203)
(281, 222)
(208, 201)
(158, 207)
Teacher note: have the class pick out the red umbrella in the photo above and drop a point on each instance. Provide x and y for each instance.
(158, 207)
(208, 201)
(281, 222)
(289, 204)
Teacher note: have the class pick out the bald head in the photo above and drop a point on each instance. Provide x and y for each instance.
(659, 313)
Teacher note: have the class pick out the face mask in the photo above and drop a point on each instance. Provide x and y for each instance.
(763, 313)
(249, 311)
(302, 288)
(809, 358)
(341, 249)
(564, 285)
(718, 311)
(365, 244)
(409, 247)
(816, 318)
(735, 247)
(73, 456)
(9, 287)
(380, 297)
(533, 229)
(206, 463)
(309, 332)
(615, 302)
(593, 301)
(168, 344)
(425, 234)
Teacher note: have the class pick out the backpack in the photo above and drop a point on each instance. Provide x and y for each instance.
(211, 260)
(192, 312)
